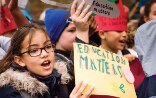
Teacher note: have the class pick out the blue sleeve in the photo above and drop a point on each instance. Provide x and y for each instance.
(9, 92)
(5, 43)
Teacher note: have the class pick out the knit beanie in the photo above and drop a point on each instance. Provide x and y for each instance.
(56, 22)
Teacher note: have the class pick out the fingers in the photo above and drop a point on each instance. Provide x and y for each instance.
(79, 92)
(79, 12)
(88, 93)
(85, 11)
(76, 88)
(79, 9)
(80, 18)
(92, 23)
(79, 88)
(12, 4)
(73, 7)
(130, 57)
(87, 16)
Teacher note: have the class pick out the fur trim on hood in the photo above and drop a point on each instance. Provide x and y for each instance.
(61, 68)
(22, 81)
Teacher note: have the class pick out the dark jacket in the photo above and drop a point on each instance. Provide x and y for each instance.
(17, 82)
(65, 66)
(147, 89)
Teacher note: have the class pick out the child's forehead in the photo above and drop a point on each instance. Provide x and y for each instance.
(38, 37)
(116, 31)
(38, 34)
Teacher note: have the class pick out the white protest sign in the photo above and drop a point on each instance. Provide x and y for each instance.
(103, 7)
(22, 3)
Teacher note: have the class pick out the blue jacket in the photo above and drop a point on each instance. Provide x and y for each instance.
(4, 45)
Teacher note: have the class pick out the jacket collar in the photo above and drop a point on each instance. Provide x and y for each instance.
(22, 81)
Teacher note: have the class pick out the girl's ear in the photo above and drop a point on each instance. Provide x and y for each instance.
(19, 61)
(102, 35)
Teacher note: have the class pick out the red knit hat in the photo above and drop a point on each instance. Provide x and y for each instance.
(7, 22)
(113, 24)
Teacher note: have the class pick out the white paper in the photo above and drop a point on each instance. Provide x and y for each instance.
(22, 3)
(103, 7)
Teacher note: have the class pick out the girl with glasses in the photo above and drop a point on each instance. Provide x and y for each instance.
(27, 71)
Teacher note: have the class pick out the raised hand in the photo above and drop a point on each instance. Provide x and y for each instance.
(92, 25)
(19, 18)
(80, 18)
(130, 57)
(12, 4)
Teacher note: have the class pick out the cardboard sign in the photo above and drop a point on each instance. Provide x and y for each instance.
(103, 70)
(103, 7)
(22, 3)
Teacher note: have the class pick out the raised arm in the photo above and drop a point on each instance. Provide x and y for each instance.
(80, 18)
(19, 18)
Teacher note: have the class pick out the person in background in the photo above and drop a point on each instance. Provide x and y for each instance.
(148, 12)
(113, 35)
(145, 45)
(7, 25)
(4, 45)
(63, 28)
(142, 6)
(11, 17)
(19, 17)
(132, 27)
(62, 33)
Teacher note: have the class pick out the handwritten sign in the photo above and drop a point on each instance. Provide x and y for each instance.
(113, 24)
(101, 7)
(103, 70)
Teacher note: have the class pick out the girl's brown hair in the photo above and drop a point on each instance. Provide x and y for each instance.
(16, 44)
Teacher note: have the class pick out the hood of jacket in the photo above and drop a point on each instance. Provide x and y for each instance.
(22, 81)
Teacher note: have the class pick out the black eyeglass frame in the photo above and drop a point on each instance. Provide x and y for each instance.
(53, 46)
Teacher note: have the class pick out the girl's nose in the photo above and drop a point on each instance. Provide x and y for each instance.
(44, 53)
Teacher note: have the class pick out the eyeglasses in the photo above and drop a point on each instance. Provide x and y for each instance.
(37, 51)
